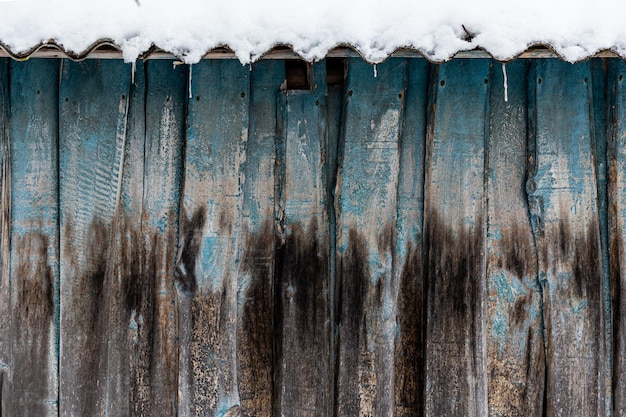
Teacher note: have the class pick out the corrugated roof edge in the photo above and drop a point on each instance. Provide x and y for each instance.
(108, 49)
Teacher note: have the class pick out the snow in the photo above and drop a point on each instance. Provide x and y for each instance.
(437, 29)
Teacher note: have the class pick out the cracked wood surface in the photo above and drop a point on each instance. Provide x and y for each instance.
(402, 242)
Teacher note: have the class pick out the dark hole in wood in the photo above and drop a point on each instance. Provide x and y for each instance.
(585, 80)
(486, 80)
(620, 77)
(298, 74)
(197, 98)
(335, 71)
(539, 81)
(443, 82)
(243, 95)
(350, 93)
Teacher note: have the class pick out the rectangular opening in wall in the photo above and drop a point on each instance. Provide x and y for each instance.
(335, 71)
(299, 74)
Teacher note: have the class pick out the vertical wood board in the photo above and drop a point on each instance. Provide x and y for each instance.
(564, 192)
(410, 301)
(210, 240)
(515, 347)
(92, 127)
(302, 265)
(454, 227)
(365, 233)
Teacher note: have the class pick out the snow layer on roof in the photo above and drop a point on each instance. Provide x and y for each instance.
(437, 28)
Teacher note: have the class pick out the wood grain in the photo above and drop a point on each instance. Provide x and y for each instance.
(454, 243)
(92, 128)
(366, 219)
(210, 237)
(515, 347)
(562, 194)
(408, 258)
(255, 298)
(302, 257)
(5, 237)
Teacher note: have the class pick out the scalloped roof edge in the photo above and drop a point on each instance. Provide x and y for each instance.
(108, 49)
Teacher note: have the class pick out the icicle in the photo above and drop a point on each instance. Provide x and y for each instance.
(133, 69)
(375, 71)
(250, 66)
(190, 74)
(506, 83)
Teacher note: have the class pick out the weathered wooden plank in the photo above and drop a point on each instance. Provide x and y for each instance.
(153, 297)
(515, 348)
(366, 227)
(34, 236)
(92, 130)
(410, 301)
(5, 234)
(210, 243)
(302, 258)
(562, 194)
(127, 262)
(454, 228)
(143, 353)
(255, 322)
(600, 128)
(617, 226)
(334, 104)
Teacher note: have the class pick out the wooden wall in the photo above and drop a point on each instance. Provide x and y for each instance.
(417, 240)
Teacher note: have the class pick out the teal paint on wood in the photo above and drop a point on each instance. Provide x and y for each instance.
(616, 216)
(409, 352)
(92, 127)
(142, 360)
(599, 74)
(255, 288)
(6, 339)
(214, 319)
(515, 348)
(155, 296)
(127, 379)
(302, 265)
(454, 228)
(210, 246)
(365, 233)
(563, 186)
(34, 238)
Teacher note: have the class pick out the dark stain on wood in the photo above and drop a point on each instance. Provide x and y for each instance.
(582, 252)
(191, 236)
(453, 268)
(351, 302)
(355, 276)
(257, 323)
(587, 265)
(131, 326)
(151, 370)
(89, 313)
(302, 273)
(32, 320)
(301, 321)
(409, 350)
(519, 310)
(518, 257)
